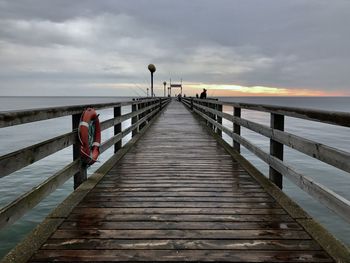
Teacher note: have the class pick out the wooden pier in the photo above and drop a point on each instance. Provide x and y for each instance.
(178, 193)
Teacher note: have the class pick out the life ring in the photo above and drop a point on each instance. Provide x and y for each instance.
(89, 136)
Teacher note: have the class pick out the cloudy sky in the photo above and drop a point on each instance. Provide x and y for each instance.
(231, 47)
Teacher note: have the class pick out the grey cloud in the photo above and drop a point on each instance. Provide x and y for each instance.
(295, 44)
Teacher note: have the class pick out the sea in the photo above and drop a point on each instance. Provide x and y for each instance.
(17, 137)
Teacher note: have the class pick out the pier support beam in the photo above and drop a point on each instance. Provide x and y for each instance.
(219, 119)
(237, 128)
(276, 148)
(134, 120)
(117, 111)
(141, 106)
(81, 176)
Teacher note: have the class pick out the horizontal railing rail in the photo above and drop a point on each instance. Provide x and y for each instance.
(330, 117)
(212, 112)
(142, 110)
(16, 117)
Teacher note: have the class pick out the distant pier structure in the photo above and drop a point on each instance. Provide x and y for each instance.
(177, 191)
(174, 86)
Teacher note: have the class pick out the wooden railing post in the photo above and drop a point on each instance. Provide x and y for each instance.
(206, 104)
(237, 128)
(191, 103)
(81, 176)
(219, 119)
(141, 106)
(276, 148)
(209, 114)
(213, 116)
(134, 119)
(149, 111)
(160, 104)
(117, 128)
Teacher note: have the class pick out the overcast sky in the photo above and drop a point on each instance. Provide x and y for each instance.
(65, 47)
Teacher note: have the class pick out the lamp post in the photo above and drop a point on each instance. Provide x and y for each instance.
(164, 83)
(152, 69)
(147, 91)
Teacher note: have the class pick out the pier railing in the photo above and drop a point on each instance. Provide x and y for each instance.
(212, 112)
(142, 111)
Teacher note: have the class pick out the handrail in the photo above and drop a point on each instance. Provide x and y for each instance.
(142, 111)
(330, 117)
(211, 112)
(11, 118)
(332, 156)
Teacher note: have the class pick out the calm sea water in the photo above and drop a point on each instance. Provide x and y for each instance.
(17, 137)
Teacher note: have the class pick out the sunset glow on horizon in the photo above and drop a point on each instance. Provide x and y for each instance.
(238, 90)
(220, 90)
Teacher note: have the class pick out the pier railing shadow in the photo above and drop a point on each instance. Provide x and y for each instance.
(143, 109)
(211, 111)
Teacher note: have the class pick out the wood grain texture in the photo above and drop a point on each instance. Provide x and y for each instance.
(321, 193)
(178, 196)
(11, 118)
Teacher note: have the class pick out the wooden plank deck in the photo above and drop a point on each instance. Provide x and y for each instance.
(178, 196)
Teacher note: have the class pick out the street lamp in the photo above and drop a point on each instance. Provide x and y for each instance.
(152, 69)
(164, 83)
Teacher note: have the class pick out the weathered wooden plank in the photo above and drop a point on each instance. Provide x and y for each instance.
(183, 189)
(175, 211)
(162, 199)
(180, 172)
(180, 256)
(153, 180)
(181, 205)
(180, 184)
(234, 188)
(129, 178)
(182, 234)
(169, 179)
(81, 224)
(208, 170)
(115, 217)
(164, 194)
(181, 244)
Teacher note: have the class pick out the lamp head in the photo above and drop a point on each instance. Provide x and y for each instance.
(151, 68)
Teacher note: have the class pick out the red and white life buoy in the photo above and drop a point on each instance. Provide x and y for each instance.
(89, 136)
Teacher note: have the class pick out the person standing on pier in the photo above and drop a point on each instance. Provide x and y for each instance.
(203, 94)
